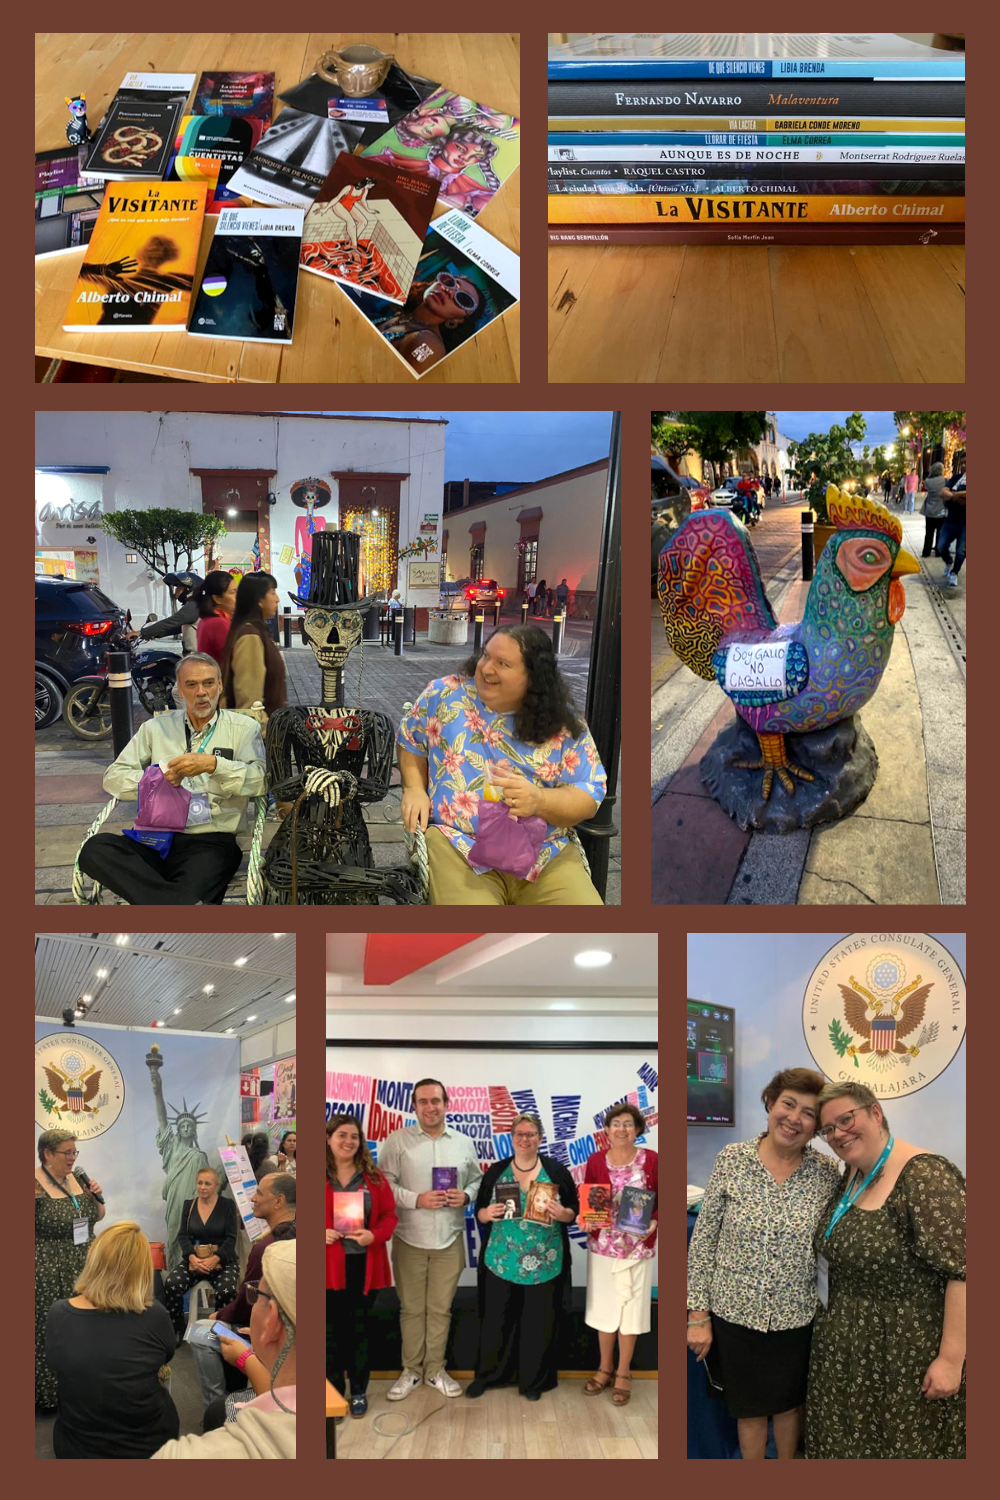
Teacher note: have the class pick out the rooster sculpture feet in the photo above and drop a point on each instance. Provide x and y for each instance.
(774, 761)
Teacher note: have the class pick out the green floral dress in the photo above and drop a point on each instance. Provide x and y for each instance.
(871, 1347)
(521, 1250)
(58, 1262)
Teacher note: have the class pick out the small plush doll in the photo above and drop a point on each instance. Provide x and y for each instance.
(77, 131)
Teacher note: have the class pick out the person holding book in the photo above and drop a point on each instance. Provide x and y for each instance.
(524, 1205)
(360, 1221)
(620, 1259)
(428, 1250)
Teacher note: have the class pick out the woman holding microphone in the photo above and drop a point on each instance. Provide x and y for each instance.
(66, 1211)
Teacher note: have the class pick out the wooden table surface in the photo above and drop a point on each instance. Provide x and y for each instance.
(332, 341)
(763, 313)
(336, 1406)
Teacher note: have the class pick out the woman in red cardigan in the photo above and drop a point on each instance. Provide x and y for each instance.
(620, 1263)
(357, 1262)
(216, 600)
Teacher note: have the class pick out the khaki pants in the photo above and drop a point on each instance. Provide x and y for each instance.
(563, 882)
(425, 1283)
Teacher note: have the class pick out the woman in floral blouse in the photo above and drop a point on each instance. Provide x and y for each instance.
(523, 1265)
(620, 1263)
(752, 1269)
(504, 729)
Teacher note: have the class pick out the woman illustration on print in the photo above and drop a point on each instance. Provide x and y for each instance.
(310, 495)
(438, 315)
(459, 137)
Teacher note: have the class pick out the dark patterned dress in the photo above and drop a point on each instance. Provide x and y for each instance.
(889, 1268)
(58, 1262)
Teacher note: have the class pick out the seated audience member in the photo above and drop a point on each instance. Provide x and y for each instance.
(107, 1345)
(257, 1146)
(283, 1159)
(263, 1427)
(216, 600)
(206, 749)
(357, 1264)
(207, 1239)
(274, 1202)
(513, 704)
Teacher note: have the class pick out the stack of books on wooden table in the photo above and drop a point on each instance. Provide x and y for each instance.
(755, 138)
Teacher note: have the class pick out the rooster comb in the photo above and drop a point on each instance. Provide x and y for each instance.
(858, 513)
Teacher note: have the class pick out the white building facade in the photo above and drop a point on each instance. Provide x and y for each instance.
(385, 479)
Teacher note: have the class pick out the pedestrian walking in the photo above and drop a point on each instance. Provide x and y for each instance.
(562, 594)
(531, 591)
(934, 507)
(540, 597)
(953, 527)
(548, 602)
(886, 486)
(911, 490)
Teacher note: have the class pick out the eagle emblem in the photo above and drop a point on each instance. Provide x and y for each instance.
(884, 1013)
(74, 1091)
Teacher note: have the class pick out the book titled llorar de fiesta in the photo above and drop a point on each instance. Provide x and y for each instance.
(250, 280)
(702, 209)
(140, 263)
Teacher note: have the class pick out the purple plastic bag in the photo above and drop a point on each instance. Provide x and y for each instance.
(506, 843)
(163, 807)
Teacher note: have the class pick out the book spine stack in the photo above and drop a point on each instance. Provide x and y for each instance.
(687, 158)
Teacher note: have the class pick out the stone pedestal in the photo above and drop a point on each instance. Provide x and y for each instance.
(841, 758)
(447, 630)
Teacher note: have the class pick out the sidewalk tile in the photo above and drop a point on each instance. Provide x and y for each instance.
(69, 789)
(696, 849)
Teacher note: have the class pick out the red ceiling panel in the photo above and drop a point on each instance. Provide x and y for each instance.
(391, 956)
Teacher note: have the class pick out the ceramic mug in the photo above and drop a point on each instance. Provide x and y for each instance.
(356, 70)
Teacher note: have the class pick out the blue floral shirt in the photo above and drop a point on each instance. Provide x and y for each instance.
(451, 728)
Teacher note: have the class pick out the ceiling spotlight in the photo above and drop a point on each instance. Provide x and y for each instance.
(208, 989)
(290, 998)
(102, 973)
(122, 939)
(229, 1029)
(249, 1019)
(593, 958)
(239, 962)
(177, 1011)
(85, 999)
(277, 934)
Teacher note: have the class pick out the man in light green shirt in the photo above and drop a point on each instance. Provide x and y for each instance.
(207, 749)
(428, 1248)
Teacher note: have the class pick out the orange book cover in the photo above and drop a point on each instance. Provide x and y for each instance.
(138, 269)
(694, 208)
(595, 1205)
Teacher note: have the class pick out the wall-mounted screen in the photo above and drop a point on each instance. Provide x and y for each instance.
(711, 1064)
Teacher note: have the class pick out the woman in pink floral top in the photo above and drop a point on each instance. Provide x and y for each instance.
(504, 729)
(620, 1263)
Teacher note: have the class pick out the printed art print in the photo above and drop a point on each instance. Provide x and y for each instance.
(469, 148)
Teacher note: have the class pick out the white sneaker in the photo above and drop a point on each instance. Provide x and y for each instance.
(953, 580)
(443, 1382)
(406, 1383)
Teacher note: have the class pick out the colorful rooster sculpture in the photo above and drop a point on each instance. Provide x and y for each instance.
(831, 661)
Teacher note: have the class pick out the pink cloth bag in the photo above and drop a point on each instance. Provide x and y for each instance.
(506, 843)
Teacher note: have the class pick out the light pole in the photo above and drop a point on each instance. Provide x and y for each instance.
(603, 709)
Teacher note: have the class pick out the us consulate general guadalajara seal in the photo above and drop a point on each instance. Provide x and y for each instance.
(886, 1009)
(78, 1085)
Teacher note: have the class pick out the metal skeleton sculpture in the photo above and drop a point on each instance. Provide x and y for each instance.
(329, 759)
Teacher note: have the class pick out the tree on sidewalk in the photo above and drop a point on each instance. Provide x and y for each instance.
(716, 436)
(158, 532)
(925, 428)
(825, 458)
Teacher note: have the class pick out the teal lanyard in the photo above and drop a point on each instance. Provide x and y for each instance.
(850, 1198)
(63, 1189)
(201, 748)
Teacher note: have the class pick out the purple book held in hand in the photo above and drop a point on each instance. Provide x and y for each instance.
(443, 1178)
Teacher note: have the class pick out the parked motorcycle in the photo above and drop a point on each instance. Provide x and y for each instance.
(87, 705)
(746, 506)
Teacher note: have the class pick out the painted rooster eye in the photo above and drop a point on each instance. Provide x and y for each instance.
(869, 556)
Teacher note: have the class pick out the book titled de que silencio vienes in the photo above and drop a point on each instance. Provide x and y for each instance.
(348, 1212)
(745, 54)
(465, 280)
(583, 209)
(635, 1210)
(250, 280)
(139, 266)
(509, 1194)
(367, 226)
(443, 1178)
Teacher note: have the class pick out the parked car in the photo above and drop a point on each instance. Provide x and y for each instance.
(75, 624)
(482, 593)
(672, 499)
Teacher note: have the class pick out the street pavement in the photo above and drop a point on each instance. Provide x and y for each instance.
(69, 771)
(906, 843)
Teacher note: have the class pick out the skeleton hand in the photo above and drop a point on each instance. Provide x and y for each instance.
(332, 786)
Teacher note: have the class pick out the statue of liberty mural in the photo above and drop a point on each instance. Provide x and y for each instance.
(180, 1153)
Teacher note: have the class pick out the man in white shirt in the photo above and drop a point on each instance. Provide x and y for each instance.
(207, 749)
(428, 1248)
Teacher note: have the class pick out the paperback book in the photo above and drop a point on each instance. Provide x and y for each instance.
(595, 1205)
(221, 138)
(768, 171)
(367, 226)
(469, 149)
(66, 206)
(808, 124)
(249, 283)
(647, 148)
(204, 169)
(619, 99)
(141, 259)
(670, 55)
(701, 208)
(135, 137)
(877, 142)
(244, 96)
(676, 232)
(635, 1210)
(348, 1212)
(444, 1178)
(724, 187)
(292, 159)
(509, 1194)
(538, 1193)
(465, 280)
